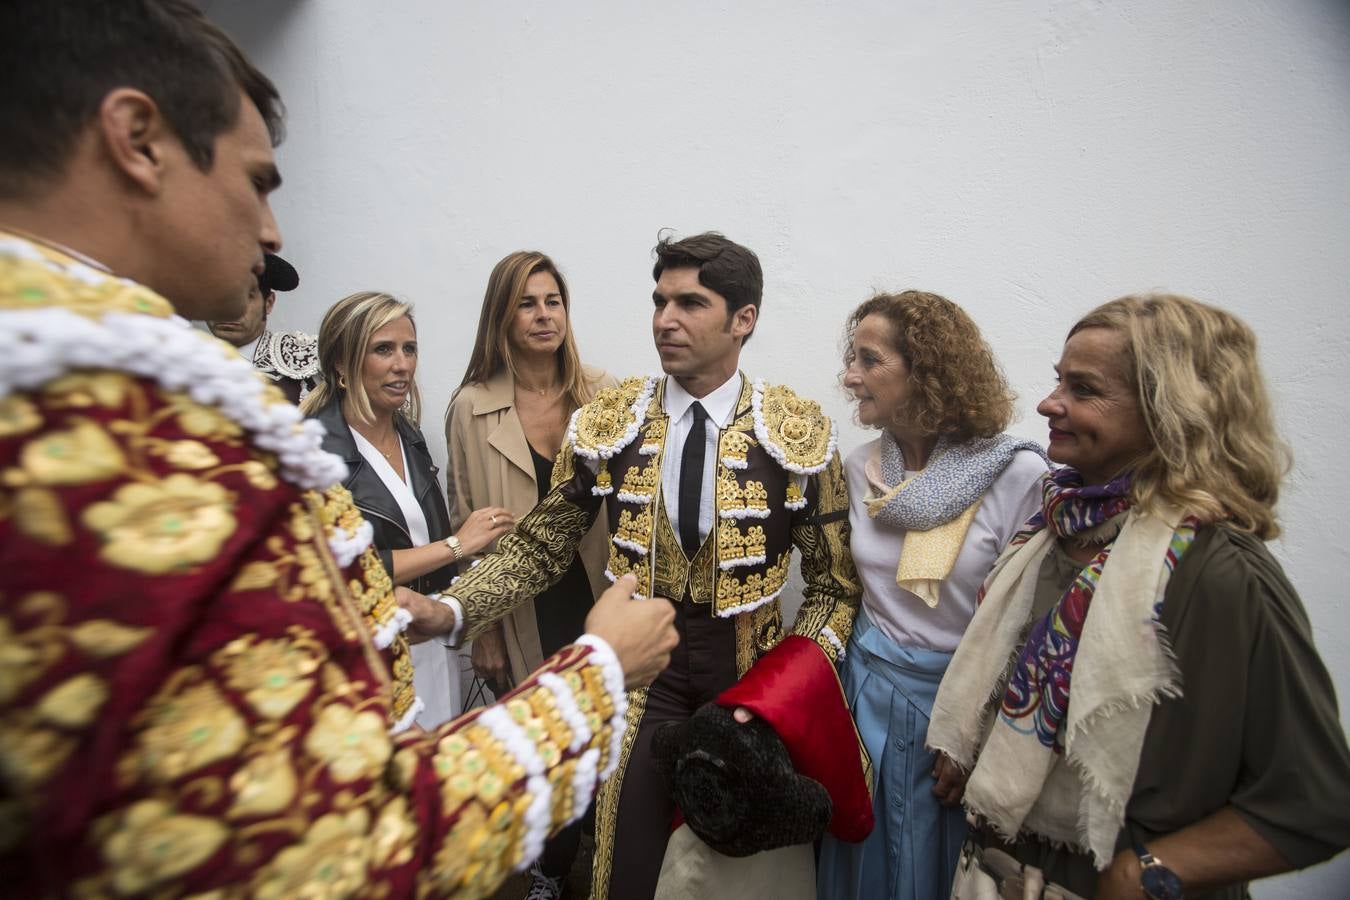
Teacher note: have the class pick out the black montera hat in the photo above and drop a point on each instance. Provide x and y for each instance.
(736, 784)
(278, 275)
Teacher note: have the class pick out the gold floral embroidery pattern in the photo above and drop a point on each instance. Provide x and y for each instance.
(352, 744)
(18, 416)
(262, 750)
(272, 675)
(189, 725)
(330, 862)
(163, 527)
(149, 844)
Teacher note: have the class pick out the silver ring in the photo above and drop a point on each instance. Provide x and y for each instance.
(492, 519)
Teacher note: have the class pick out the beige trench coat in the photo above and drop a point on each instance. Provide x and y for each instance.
(490, 465)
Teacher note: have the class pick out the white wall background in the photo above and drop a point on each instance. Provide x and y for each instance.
(1027, 159)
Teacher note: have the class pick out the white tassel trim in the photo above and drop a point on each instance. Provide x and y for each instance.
(409, 717)
(584, 782)
(391, 628)
(828, 634)
(632, 546)
(649, 449)
(613, 578)
(795, 504)
(743, 513)
(603, 655)
(537, 816)
(747, 607)
(568, 710)
(630, 497)
(347, 546)
(742, 561)
(735, 463)
(49, 342)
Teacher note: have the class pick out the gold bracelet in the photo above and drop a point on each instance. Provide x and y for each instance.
(453, 543)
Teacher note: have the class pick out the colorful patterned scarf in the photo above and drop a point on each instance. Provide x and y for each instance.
(1060, 769)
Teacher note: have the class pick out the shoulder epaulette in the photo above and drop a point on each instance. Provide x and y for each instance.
(611, 421)
(292, 354)
(793, 429)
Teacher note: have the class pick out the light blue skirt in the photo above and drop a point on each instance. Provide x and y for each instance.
(911, 854)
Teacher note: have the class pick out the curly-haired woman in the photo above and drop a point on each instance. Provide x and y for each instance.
(934, 499)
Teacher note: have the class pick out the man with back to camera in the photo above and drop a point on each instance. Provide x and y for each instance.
(709, 480)
(289, 359)
(205, 682)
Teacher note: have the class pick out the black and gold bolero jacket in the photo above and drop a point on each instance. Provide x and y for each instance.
(780, 484)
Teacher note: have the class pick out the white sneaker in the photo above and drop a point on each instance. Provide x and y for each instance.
(542, 887)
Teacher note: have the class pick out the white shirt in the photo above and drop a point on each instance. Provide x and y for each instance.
(720, 405)
(435, 664)
(413, 517)
(251, 348)
(902, 616)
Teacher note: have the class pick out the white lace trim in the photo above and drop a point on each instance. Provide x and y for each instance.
(603, 655)
(630, 497)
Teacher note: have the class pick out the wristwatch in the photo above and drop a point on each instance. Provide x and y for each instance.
(453, 543)
(1158, 881)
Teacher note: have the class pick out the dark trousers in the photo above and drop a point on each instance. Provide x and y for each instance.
(702, 666)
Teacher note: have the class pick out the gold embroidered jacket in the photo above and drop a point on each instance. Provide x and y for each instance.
(779, 485)
(193, 698)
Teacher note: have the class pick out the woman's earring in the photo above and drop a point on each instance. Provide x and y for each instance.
(342, 381)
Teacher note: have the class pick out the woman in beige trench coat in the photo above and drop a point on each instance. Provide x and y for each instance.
(503, 430)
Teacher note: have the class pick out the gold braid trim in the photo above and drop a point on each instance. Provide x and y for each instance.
(528, 560)
(607, 801)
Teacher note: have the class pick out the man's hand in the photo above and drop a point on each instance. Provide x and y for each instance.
(430, 618)
(951, 781)
(641, 632)
(489, 659)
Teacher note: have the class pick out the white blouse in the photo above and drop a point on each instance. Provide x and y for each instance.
(435, 666)
(904, 618)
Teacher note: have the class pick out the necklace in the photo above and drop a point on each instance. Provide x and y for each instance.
(542, 392)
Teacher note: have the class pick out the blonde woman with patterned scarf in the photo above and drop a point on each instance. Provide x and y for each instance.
(1139, 695)
(932, 502)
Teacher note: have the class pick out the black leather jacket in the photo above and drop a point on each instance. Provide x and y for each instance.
(378, 505)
